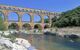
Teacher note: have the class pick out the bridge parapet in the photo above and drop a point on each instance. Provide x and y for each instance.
(20, 9)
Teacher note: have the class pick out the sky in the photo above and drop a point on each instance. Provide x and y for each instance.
(49, 5)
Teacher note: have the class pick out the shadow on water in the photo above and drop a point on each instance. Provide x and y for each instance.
(51, 42)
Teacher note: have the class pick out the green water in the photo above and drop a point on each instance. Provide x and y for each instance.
(48, 42)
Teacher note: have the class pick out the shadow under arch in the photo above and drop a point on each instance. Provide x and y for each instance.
(46, 26)
(13, 26)
(13, 16)
(37, 19)
(38, 26)
(26, 26)
(26, 17)
(46, 19)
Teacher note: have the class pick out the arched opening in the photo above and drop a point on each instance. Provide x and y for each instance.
(37, 19)
(13, 26)
(1, 16)
(38, 27)
(46, 26)
(46, 19)
(13, 16)
(26, 26)
(26, 18)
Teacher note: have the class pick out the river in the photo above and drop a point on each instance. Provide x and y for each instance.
(49, 42)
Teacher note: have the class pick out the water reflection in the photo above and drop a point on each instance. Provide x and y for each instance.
(48, 42)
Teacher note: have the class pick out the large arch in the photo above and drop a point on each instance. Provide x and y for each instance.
(26, 26)
(1, 16)
(46, 19)
(13, 26)
(37, 19)
(13, 16)
(26, 18)
(38, 26)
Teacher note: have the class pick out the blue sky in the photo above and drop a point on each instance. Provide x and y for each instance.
(50, 5)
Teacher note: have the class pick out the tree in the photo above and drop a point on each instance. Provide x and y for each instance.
(2, 26)
(68, 18)
(46, 20)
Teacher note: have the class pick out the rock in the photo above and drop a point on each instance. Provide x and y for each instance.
(23, 42)
(49, 33)
(6, 33)
(72, 36)
(19, 44)
(3, 47)
(6, 42)
(18, 47)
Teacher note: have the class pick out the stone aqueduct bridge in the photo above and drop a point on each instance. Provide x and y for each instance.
(20, 11)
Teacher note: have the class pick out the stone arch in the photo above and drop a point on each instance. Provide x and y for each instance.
(37, 19)
(2, 15)
(13, 26)
(46, 19)
(26, 18)
(13, 16)
(46, 26)
(38, 26)
(26, 26)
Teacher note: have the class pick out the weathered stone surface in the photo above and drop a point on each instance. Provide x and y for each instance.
(19, 44)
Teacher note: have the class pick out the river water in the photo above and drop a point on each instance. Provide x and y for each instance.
(49, 42)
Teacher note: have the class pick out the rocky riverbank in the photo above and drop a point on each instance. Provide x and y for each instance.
(11, 42)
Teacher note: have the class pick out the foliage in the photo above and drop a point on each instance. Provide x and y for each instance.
(27, 26)
(13, 26)
(2, 26)
(68, 18)
(46, 20)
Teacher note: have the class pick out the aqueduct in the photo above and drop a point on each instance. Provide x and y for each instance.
(5, 10)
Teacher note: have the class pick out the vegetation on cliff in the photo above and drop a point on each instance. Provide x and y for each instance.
(68, 19)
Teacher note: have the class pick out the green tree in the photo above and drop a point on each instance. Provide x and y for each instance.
(46, 20)
(2, 26)
(68, 18)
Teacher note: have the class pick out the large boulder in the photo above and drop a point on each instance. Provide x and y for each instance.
(18, 47)
(23, 42)
(6, 42)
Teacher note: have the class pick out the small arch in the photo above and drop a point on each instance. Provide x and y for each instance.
(1, 16)
(26, 26)
(38, 26)
(37, 19)
(26, 18)
(13, 16)
(46, 26)
(13, 26)
(46, 19)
